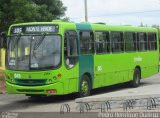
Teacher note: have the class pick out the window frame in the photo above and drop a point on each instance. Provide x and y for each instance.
(65, 38)
(145, 42)
(134, 34)
(155, 35)
(104, 52)
(93, 42)
(121, 43)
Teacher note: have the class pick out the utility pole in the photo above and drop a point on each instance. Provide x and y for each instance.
(86, 12)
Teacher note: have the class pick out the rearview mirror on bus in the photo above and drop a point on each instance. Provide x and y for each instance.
(3, 39)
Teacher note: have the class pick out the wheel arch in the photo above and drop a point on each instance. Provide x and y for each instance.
(90, 78)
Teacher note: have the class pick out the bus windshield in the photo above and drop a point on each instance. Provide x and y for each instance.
(39, 52)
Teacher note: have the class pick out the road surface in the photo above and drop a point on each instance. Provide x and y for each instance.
(21, 103)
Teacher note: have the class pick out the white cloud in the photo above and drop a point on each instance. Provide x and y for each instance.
(103, 10)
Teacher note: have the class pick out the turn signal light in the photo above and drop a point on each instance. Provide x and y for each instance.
(52, 91)
(59, 75)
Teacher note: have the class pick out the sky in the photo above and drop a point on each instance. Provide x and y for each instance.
(115, 12)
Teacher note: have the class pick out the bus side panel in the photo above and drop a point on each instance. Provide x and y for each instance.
(149, 63)
(109, 69)
(72, 76)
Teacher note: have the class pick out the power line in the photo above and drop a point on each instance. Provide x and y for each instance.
(117, 14)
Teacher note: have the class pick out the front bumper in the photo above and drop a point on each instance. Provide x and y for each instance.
(38, 90)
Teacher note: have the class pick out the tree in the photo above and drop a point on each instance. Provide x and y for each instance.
(19, 11)
(55, 7)
(156, 26)
(143, 25)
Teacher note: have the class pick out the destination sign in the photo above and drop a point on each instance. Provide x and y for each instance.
(35, 29)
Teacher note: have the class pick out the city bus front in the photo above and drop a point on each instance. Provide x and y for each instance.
(33, 59)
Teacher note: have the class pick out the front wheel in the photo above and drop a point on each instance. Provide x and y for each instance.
(136, 78)
(85, 86)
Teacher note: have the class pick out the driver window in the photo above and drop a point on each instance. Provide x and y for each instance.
(70, 49)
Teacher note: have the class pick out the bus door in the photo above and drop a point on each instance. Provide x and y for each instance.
(86, 51)
(71, 59)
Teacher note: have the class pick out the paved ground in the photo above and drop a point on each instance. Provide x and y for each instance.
(21, 103)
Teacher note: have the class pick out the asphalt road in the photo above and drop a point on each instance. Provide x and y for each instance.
(22, 103)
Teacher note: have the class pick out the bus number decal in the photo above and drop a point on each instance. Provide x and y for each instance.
(17, 30)
(99, 68)
(137, 59)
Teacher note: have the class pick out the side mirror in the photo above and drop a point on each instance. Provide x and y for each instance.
(3, 39)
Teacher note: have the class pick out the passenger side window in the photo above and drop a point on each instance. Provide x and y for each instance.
(70, 49)
(152, 42)
(102, 42)
(86, 42)
(117, 42)
(130, 41)
(142, 42)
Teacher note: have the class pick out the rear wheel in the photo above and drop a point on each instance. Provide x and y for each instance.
(136, 78)
(85, 86)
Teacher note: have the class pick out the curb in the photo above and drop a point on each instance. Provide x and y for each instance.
(120, 98)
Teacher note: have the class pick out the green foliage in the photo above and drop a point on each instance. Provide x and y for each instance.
(143, 25)
(19, 11)
(156, 26)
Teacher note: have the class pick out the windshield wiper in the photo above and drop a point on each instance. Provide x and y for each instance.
(39, 42)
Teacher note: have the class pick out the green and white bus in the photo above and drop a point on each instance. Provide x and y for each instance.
(57, 58)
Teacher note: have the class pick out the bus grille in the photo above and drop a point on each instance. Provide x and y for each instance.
(30, 82)
(28, 90)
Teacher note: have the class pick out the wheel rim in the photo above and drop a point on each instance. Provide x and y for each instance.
(85, 88)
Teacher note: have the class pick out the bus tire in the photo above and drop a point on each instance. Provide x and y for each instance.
(136, 78)
(85, 86)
